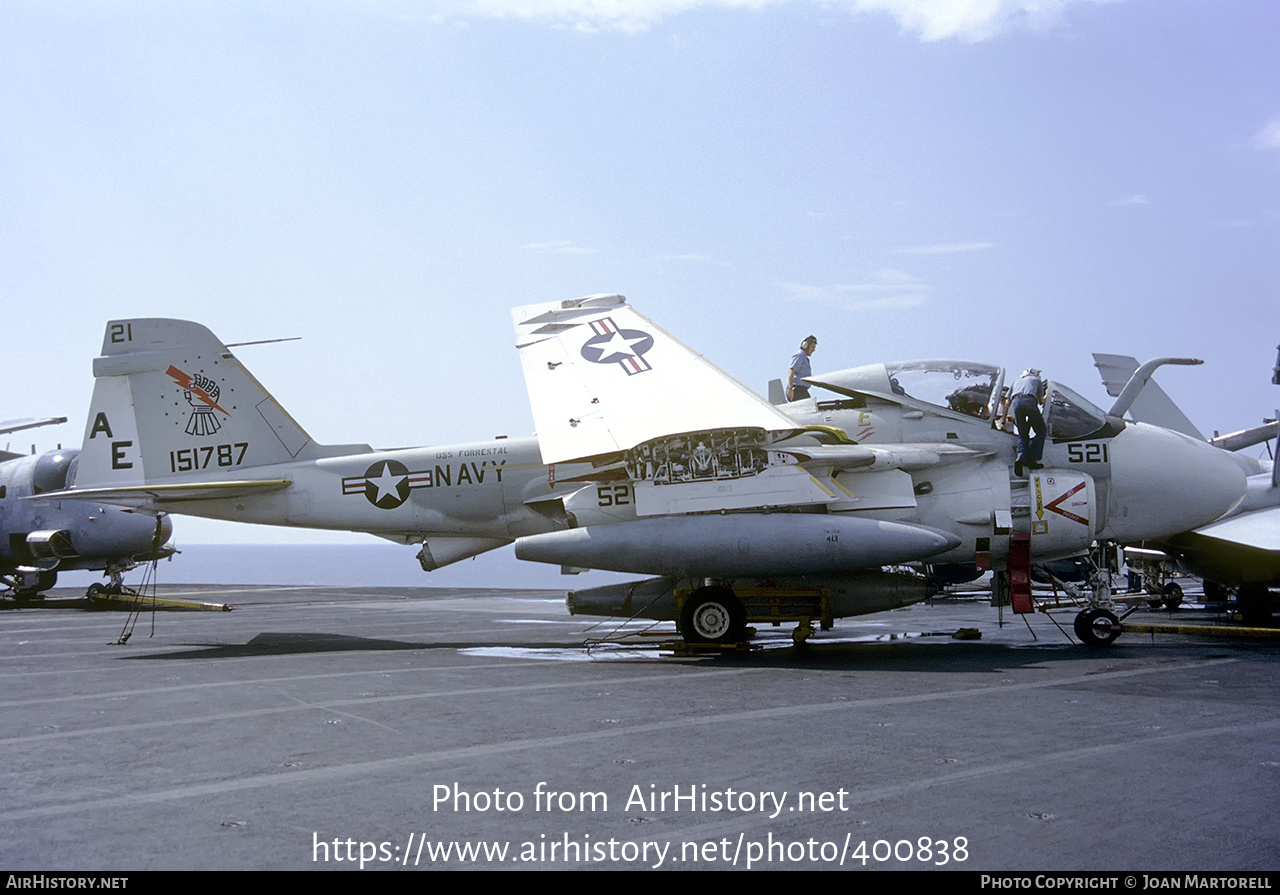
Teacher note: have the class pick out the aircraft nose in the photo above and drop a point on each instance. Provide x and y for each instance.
(1163, 483)
(143, 530)
(117, 532)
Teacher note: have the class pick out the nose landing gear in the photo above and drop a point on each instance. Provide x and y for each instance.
(1096, 626)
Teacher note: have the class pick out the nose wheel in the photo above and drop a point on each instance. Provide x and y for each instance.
(1097, 627)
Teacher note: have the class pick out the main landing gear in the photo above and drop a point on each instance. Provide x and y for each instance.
(717, 614)
(713, 615)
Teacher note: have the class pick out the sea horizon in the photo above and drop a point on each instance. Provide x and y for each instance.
(373, 565)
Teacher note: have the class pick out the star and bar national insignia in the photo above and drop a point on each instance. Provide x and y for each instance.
(624, 347)
(386, 484)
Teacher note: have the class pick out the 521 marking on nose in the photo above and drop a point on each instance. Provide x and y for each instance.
(1088, 452)
(613, 495)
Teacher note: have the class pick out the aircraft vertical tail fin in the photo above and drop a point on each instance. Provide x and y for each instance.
(172, 403)
(1152, 405)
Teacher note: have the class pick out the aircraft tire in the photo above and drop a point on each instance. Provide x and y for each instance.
(713, 615)
(1097, 627)
(1172, 595)
(94, 593)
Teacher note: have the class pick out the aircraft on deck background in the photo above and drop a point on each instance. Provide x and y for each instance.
(41, 535)
(707, 484)
(1242, 548)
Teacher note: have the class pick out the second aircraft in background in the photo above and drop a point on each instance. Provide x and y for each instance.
(1240, 550)
(42, 534)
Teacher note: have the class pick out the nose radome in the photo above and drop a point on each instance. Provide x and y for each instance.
(1163, 483)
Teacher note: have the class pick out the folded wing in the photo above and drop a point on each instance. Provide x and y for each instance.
(603, 379)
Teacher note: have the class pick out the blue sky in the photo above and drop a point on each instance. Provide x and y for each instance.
(1013, 182)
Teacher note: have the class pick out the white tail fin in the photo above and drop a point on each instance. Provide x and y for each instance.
(172, 403)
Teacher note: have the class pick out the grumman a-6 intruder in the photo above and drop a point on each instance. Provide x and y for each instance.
(748, 511)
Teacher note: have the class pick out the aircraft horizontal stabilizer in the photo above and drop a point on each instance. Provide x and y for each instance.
(159, 496)
(603, 379)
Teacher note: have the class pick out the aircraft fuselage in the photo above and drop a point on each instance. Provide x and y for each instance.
(473, 489)
(1102, 478)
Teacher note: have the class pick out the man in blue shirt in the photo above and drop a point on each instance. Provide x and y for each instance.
(800, 370)
(1025, 398)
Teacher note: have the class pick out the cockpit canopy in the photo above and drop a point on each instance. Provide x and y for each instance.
(1070, 417)
(50, 471)
(970, 389)
(959, 386)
